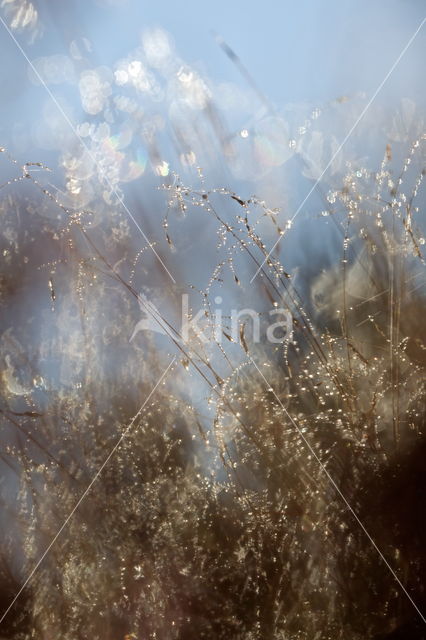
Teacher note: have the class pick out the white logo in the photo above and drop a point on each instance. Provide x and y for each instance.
(278, 331)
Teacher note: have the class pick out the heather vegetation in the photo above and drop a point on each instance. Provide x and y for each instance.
(169, 483)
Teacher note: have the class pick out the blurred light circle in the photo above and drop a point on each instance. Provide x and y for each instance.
(101, 132)
(188, 159)
(79, 48)
(157, 46)
(52, 70)
(77, 195)
(122, 139)
(135, 68)
(85, 129)
(80, 166)
(126, 104)
(133, 168)
(192, 89)
(271, 142)
(95, 88)
(121, 77)
(162, 169)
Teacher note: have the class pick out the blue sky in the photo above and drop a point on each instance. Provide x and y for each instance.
(295, 50)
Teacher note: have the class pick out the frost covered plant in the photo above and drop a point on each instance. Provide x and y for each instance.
(158, 484)
(215, 517)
